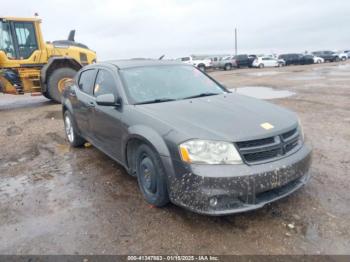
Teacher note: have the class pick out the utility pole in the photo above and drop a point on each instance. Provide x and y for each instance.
(236, 41)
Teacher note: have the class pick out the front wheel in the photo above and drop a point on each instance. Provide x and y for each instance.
(151, 176)
(201, 67)
(57, 80)
(261, 66)
(73, 138)
(228, 67)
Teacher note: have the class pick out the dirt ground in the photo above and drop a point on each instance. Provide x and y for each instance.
(58, 200)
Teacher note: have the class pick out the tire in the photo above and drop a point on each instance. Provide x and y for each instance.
(343, 58)
(151, 176)
(337, 59)
(261, 66)
(201, 67)
(59, 74)
(228, 67)
(46, 94)
(72, 136)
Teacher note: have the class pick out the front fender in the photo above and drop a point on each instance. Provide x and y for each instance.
(148, 135)
(154, 139)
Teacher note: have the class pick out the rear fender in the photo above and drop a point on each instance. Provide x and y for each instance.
(67, 106)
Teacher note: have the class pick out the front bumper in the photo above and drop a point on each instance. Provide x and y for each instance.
(239, 188)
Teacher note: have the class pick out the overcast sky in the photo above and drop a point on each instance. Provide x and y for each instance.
(150, 28)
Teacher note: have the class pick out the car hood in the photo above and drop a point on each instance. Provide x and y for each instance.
(229, 117)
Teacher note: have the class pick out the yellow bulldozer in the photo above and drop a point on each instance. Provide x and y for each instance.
(28, 64)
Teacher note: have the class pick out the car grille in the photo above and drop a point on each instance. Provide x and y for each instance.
(268, 149)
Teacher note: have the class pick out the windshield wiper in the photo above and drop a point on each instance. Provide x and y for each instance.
(158, 100)
(202, 95)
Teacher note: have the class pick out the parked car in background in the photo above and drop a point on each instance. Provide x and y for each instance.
(307, 59)
(244, 60)
(226, 63)
(267, 61)
(343, 56)
(217, 58)
(328, 56)
(202, 63)
(252, 57)
(318, 60)
(297, 59)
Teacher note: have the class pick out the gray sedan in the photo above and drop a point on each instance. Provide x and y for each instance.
(185, 137)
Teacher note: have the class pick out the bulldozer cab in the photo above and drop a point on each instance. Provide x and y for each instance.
(20, 40)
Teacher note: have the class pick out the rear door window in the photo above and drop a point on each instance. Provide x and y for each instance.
(105, 83)
(87, 80)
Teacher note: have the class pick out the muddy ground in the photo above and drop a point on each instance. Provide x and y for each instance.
(56, 199)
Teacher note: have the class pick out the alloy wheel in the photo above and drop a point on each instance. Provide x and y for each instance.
(69, 129)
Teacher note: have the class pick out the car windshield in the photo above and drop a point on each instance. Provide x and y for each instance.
(166, 83)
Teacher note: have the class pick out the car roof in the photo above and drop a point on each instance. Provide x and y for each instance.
(122, 64)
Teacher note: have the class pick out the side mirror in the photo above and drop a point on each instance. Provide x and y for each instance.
(107, 100)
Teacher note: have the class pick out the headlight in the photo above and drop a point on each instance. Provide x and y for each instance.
(209, 152)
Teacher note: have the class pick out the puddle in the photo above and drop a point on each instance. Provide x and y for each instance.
(311, 232)
(306, 78)
(16, 101)
(344, 66)
(339, 73)
(262, 92)
(12, 186)
(264, 73)
(339, 79)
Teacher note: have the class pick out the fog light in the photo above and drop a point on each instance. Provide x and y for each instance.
(213, 201)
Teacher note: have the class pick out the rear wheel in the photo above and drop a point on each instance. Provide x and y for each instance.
(57, 80)
(46, 94)
(261, 65)
(73, 138)
(228, 67)
(201, 67)
(151, 176)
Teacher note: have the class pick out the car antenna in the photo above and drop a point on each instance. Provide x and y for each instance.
(161, 58)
